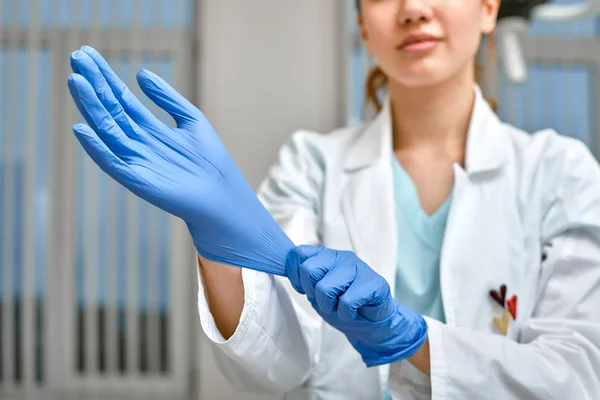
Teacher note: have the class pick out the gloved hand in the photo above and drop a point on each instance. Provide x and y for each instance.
(354, 299)
(185, 171)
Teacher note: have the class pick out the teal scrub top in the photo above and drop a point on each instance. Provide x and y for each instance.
(420, 238)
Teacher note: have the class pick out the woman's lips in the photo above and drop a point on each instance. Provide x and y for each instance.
(419, 43)
(420, 46)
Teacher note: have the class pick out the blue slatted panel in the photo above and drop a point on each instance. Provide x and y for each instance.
(113, 13)
(3, 128)
(42, 188)
(146, 214)
(67, 13)
(14, 107)
(558, 96)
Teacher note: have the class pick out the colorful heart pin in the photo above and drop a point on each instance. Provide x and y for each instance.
(502, 324)
(499, 297)
(512, 306)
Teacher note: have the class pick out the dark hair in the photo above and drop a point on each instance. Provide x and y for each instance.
(377, 80)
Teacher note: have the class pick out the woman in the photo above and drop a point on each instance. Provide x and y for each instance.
(467, 252)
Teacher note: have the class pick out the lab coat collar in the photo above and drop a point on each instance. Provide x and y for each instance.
(487, 145)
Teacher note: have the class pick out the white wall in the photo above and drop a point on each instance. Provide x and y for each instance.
(269, 67)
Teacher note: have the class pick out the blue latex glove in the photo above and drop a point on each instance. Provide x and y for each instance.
(356, 300)
(185, 171)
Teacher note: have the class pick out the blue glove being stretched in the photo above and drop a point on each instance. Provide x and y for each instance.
(354, 299)
(185, 171)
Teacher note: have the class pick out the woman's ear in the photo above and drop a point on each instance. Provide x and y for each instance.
(489, 15)
(361, 26)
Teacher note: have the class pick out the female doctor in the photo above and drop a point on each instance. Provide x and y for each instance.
(456, 257)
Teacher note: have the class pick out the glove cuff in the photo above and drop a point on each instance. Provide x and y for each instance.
(402, 353)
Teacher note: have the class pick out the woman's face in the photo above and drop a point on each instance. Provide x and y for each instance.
(425, 42)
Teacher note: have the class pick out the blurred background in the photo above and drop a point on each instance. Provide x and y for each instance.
(98, 290)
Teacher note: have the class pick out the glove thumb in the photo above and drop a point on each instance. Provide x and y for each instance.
(381, 312)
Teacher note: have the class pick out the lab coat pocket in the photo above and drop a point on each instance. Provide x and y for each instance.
(520, 298)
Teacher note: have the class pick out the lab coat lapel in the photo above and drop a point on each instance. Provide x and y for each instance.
(478, 251)
(368, 203)
(368, 199)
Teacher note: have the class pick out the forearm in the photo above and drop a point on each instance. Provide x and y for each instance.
(224, 291)
(251, 324)
(421, 359)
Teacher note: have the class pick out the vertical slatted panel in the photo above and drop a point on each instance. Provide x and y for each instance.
(143, 252)
(69, 175)
(56, 360)
(158, 283)
(179, 327)
(162, 257)
(153, 247)
(90, 264)
(111, 265)
(41, 260)
(132, 290)
(133, 223)
(123, 246)
(93, 232)
(75, 296)
(183, 73)
(556, 96)
(10, 365)
(163, 221)
(159, 66)
(28, 327)
(41, 205)
(107, 314)
(18, 176)
(4, 277)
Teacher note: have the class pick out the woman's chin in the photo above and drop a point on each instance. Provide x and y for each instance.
(420, 79)
(421, 75)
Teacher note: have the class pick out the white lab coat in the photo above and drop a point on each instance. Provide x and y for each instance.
(518, 196)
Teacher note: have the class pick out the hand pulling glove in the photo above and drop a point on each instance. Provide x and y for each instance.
(354, 299)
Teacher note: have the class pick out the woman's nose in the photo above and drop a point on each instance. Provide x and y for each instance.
(414, 11)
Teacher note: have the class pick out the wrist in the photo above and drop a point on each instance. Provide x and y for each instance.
(421, 359)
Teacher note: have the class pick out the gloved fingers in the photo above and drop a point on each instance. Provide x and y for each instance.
(378, 312)
(351, 300)
(132, 106)
(101, 154)
(304, 252)
(367, 293)
(84, 65)
(295, 257)
(329, 289)
(97, 117)
(314, 268)
(167, 98)
(292, 269)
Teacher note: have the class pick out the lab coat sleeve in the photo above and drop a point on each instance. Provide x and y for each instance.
(275, 344)
(558, 353)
